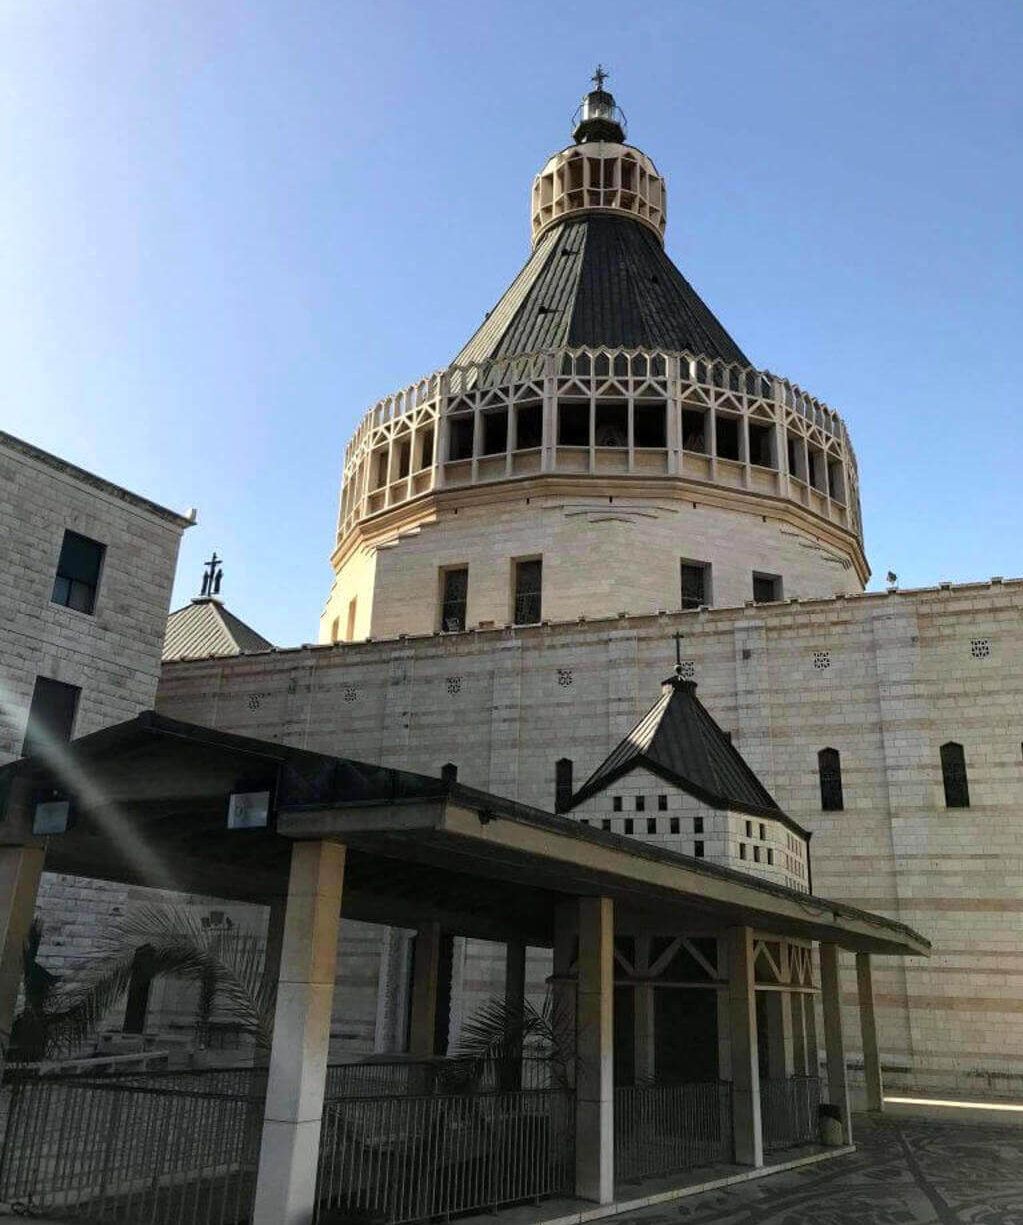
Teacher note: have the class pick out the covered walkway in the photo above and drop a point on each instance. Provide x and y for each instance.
(171, 805)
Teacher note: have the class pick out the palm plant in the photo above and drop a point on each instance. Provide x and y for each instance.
(29, 1039)
(227, 965)
(502, 1032)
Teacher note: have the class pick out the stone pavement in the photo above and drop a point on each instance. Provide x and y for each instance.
(905, 1172)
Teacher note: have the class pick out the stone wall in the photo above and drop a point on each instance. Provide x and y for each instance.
(885, 679)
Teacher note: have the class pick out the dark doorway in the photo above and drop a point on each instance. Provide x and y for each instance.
(687, 1034)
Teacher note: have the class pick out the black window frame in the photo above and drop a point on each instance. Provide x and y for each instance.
(954, 775)
(527, 604)
(453, 607)
(829, 773)
(76, 586)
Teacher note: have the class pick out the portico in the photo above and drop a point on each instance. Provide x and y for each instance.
(149, 802)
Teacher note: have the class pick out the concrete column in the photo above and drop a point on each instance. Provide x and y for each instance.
(779, 1035)
(564, 986)
(723, 1001)
(797, 1023)
(644, 1020)
(813, 1057)
(20, 870)
(425, 977)
(594, 1117)
(868, 1029)
(834, 1041)
(286, 1183)
(746, 1122)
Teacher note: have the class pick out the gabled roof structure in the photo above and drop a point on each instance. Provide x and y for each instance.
(600, 279)
(205, 627)
(680, 742)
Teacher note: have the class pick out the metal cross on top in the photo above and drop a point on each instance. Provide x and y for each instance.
(600, 76)
(678, 636)
(213, 573)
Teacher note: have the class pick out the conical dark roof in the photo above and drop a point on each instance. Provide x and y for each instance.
(205, 627)
(679, 741)
(595, 280)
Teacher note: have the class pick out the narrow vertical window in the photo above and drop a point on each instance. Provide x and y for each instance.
(695, 584)
(674, 825)
(616, 803)
(528, 590)
(630, 825)
(454, 599)
(829, 767)
(640, 803)
(51, 716)
(78, 568)
(662, 803)
(350, 628)
(651, 825)
(562, 784)
(953, 775)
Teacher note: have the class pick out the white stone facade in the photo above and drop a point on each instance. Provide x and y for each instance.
(642, 805)
(884, 679)
(112, 654)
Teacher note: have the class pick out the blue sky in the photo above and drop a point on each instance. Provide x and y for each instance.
(229, 228)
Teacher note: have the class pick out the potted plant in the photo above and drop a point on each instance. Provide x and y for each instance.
(830, 1121)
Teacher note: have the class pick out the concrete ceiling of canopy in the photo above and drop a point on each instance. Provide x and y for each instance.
(151, 799)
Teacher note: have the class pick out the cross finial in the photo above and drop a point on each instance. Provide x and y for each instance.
(600, 76)
(678, 636)
(213, 574)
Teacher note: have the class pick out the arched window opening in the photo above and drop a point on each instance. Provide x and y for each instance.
(953, 775)
(829, 767)
(562, 784)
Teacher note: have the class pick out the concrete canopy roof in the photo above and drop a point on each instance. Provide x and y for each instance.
(150, 798)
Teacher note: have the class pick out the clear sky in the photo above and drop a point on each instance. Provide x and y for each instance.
(228, 228)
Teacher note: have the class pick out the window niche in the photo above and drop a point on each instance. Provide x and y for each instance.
(528, 426)
(562, 784)
(573, 423)
(611, 426)
(695, 584)
(796, 457)
(761, 445)
(454, 599)
(766, 588)
(51, 715)
(649, 425)
(694, 430)
(424, 444)
(829, 771)
(495, 432)
(528, 591)
(460, 436)
(727, 434)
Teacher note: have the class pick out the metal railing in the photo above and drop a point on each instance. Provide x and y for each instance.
(660, 1129)
(117, 1150)
(788, 1111)
(402, 1158)
(419, 1078)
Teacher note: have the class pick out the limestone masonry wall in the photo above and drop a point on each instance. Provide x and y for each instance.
(885, 679)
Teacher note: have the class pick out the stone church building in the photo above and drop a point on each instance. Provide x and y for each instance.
(601, 482)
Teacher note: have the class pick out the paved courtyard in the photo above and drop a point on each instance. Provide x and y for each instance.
(905, 1172)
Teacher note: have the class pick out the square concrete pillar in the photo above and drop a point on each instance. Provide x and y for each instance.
(868, 1030)
(20, 870)
(644, 1019)
(565, 916)
(797, 1024)
(425, 982)
(286, 1183)
(594, 1115)
(813, 1057)
(834, 1041)
(723, 1004)
(779, 1035)
(747, 1129)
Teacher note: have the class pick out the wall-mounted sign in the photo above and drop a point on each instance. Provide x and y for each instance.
(248, 810)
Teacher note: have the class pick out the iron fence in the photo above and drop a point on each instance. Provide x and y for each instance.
(404, 1158)
(419, 1078)
(660, 1129)
(788, 1111)
(115, 1150)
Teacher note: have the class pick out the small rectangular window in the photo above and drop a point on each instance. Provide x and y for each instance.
(528, 427)
(606, 823)
(640, 803)
(756, 854)
(662, 803)
(495, 432)
(761, 445)
(78, 568)
(763, 832)
(573, 424)
(454, 599)
(770, 857)
(695, 584)
(698, 849)
(742, 850)
(616, 803)
(727, 437)
(630, 826)
(528, 591)
(694, 430)
(766, 588)
(584, 820)
(460, 436)
(697, 825)
(651, 825)
(674, 825)
(51, 715)
(954, 776)
(749, 829)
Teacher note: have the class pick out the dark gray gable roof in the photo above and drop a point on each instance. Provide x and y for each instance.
(679, 741)
(600, 280)
(205, 627)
